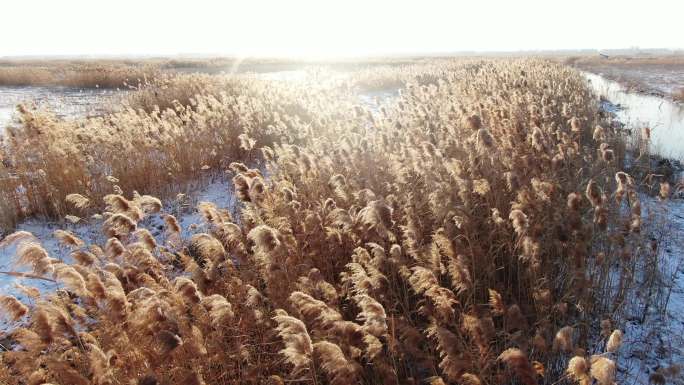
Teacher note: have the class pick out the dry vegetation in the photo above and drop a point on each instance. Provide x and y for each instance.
(79, 75)
(480, 230)
(113, 73)
(208, 123)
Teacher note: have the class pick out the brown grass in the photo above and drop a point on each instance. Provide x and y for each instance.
(125, 73)
(141, 148)
(96, 75)
(444, 239)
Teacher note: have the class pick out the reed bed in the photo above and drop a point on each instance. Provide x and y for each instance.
(95, 75)
(480, 230)
(127, 73)
(168, 91)
(155, 151)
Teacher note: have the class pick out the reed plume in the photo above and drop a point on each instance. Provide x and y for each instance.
(34, 255)
(78, 200)
(14, 308)
(614, 341)
(603, 370)
(340, 371)
(518, 362)
(68, 239)
(578, 369)
(372, 315)
(563, 340)
(298, 346)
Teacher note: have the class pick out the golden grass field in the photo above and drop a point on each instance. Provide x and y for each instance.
(481, 228)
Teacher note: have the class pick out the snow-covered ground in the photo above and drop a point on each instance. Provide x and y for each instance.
(218, 191)
(654, 321)
(63, 101)
(374, 100)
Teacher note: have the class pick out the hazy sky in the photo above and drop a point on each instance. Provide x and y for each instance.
(325, 28)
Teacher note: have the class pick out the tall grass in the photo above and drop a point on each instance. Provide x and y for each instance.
(467, 234)
(168, 91)
(147, 149)
(78, 76)
(122, 73)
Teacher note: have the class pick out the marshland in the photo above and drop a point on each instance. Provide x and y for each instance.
(317, 217)
(444, 221)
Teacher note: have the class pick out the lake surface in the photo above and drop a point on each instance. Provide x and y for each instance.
(63, 101)
(665, 118)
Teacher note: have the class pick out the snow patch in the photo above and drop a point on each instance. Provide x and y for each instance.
(220, 192)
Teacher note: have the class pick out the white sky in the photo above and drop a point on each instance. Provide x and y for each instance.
(329, 28)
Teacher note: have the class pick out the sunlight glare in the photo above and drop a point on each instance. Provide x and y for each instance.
(326, 29)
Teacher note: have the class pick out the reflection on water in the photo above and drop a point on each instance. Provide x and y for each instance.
(373, 100)
(663, 117)
(63, 101)
(286, 76)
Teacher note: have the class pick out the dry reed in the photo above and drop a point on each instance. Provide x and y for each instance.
(444, 240)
